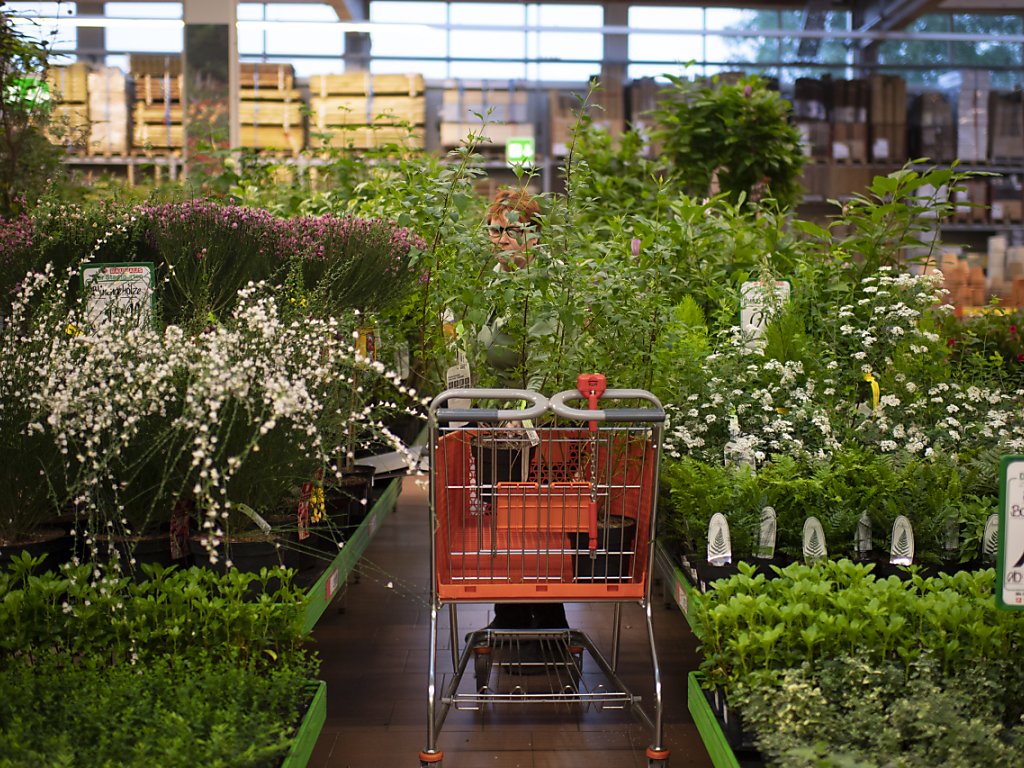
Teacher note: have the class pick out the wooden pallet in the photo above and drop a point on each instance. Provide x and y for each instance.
(158, 135)
(368, 137)
(276, 76)
(276, 113)
(453, 134)
(363, 110)
(158, 88)
(70, 83)
(290, 139)
(158, 113)
(362, 83)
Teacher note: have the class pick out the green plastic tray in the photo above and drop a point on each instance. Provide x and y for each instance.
(309, 730)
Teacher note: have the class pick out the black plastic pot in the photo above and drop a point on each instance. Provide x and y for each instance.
(496, 462)
(616, 545)
(56, 544)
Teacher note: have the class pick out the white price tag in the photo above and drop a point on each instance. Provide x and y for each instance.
(758, 300)
(1011, 538)
(459, 377)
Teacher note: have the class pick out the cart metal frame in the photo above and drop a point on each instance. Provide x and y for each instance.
(515, 496)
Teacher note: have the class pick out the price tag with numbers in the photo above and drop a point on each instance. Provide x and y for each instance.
(1010, 556)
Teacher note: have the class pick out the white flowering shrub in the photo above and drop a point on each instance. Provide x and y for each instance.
(120, 422)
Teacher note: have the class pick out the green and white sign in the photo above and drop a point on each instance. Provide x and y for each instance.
(119, 290)
(29, 92)
(520, 151)
(1010, 556)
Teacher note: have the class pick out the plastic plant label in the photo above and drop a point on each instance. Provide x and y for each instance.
(1010, 553)
(902, 551)
(862, 536)
(459, 377)
(119, 291)
(990, 539)
(814, 547)
(719, 540)
(302, 512)
(759, 300)
(520, 151)
(366, 343)
(767, 530)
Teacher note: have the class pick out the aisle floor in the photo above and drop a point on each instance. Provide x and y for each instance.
(374, 644)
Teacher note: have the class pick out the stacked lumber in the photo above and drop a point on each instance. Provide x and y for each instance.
(158, 114)
(270, 108)
(365, 111)
(108, 112)
(69, 90)
(888, 117)
(504, 108)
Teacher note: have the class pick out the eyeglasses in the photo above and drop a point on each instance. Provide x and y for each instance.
(517, 231)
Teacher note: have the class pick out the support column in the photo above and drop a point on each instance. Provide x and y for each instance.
(616, 46)
(357, 44)
(93, 40)
(211, 80)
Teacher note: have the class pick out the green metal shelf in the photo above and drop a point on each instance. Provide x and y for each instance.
(309, 730)
(683, 592)
(710, 731)
(336, 573)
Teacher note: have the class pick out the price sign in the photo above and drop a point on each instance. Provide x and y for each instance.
(1010, 556)
(118, 291)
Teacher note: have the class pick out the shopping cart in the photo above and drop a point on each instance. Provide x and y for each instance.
(535, 501)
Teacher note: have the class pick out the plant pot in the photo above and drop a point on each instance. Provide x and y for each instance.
(56, 544)
(497, 459)
(247, 553)
(151, 548)
(613, 561)
(285, 526)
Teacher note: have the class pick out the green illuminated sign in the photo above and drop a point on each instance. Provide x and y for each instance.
(519, 151)
(28, 91)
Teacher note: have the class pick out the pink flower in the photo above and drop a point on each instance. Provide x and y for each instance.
(634, 246)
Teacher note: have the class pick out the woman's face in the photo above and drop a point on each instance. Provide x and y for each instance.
(513, 241)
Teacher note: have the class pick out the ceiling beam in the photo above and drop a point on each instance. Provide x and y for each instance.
(348, 10)
(888, 15)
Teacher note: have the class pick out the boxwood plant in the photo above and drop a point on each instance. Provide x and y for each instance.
(831, 666)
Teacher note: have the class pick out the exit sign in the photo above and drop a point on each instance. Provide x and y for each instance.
(519, 151)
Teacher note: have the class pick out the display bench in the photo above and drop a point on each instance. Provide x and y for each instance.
(309, 729)
(334, 577)
(710, 726)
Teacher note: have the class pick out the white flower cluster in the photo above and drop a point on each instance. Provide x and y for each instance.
(879, 378)
(124, 418)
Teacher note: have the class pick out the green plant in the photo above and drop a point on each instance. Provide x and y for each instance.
(168, 712)
(738, 134)
(838, 608)
(851, 712)
(27, 159)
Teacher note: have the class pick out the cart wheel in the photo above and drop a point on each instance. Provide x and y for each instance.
(482, 661)
(431, 759)
(657, 758)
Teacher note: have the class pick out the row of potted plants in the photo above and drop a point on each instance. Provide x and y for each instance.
(829, 665)
(184, 667)
(245, 391)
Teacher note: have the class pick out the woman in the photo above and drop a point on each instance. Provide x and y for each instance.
(513, 224)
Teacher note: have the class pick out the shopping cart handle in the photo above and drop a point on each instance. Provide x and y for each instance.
(535, 405)
(654, 414)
